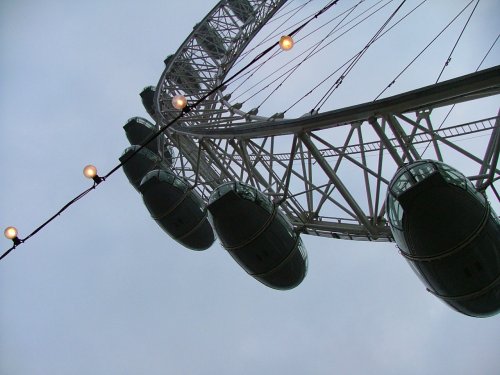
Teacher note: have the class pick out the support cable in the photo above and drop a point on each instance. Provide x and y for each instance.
(311, 52)
(353, 57)
(269, 37)
(279, 69)
(252, 72)
(358, 57)
(421, 52)
(453, 106)
(272, 34)
(456, 43)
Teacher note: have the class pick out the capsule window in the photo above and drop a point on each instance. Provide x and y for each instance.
(452, 176)
(478, 266)
(481, 197)
(400, 239)
(264, 202)
(402, 183)
(221, 190)
(395, 212)
(471, 189)
(302, 250)
(246, 192)
(470, 186)
(422, 171)
(178, 183)
(143, 122)
(281, 217)
(494, 216)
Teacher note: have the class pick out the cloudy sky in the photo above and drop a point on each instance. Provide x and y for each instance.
(103, 290)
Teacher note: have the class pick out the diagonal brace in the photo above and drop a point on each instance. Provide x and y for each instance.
(342, 189)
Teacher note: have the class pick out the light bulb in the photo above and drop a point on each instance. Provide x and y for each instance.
(10, 233)
(179, 102)
(286, 42)
(90, 171)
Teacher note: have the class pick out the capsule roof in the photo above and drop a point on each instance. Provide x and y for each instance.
(140, 164)
(244, 191)
(411, 174)
(147, 96)
(138, 130)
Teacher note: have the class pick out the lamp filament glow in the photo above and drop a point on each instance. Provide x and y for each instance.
(286, 42)
(90, 171)
(179, 102)
(10, 233)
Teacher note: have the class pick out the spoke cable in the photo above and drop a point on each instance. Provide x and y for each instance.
(252, 72)
(357, 58)
(447, 62)
(423, 50)
(278, 69)
(353, 57)
(273, 34)
(315, 47)
(453, 106)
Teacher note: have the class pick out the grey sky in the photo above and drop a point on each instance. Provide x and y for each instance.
(103, 290)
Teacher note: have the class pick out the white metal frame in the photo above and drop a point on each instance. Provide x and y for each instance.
(332, 181)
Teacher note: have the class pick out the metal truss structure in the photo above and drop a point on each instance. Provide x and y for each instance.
(328, 171)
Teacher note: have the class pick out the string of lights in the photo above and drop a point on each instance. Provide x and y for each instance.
(179, 102)
(324, 80)
(310, 51)
(309, 54)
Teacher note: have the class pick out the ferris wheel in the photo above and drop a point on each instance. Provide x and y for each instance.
(258, 133)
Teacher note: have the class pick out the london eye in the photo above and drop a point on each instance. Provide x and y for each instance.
(116, 285)
(292, 145)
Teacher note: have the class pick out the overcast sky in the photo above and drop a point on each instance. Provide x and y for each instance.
(103, 290)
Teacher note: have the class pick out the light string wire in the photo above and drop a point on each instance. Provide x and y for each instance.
(275, 32)
(315, 51)
(97, 180)
(353, 57)
(252, 72)
(310, 53)
(272, 35)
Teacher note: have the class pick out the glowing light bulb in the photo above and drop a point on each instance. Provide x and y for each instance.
(90, 171)
(179, 102)
(286, 42)
(10, 233)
